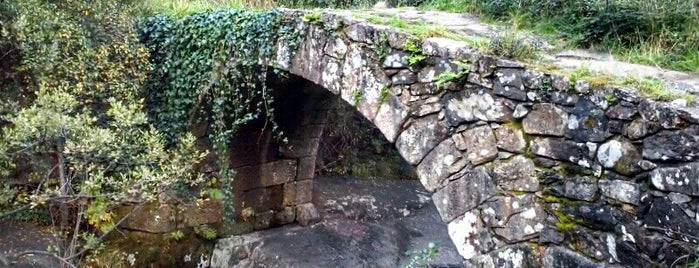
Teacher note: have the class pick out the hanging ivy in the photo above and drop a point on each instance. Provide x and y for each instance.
(211, 67)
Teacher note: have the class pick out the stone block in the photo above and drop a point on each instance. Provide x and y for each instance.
(435, 167)
(419, 138)
(480, 144)
(306, 214)
(545, 119)
(464, 194)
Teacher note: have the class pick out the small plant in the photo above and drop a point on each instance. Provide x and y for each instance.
(177, 235)
(420, 258)
(382, 49)
(416, 56)
(205, 231)
(653, 88)
(596, 79)
(312, 18)
(512, 45)
(356, 96)
(447, 77)
(383, 96)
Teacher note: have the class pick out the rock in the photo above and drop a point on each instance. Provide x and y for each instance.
(508, 83)
(560, 257)
(486, 66)
(683, 179)
(520, 111)
(677, 198)
(390, 117)
(663, 114)
(398, 60)
(479, 143)
(680, 145)
(533, 79)
(510, 256)
(560, 82)
(306, 214)
(464, 194)
(429, 74)
(420, 138)
(629, 256)
(435, 167)
(587, 122)
(427, 109)
(622, 111)
(545, 119)
(404, 77)
(470, 237)
(524, 225)
(597, 217)
(556, 97)
(663, 214)
(464, 107)
(582, 87)
(561, 149)
(583, 188)
(623, 191)
(510, 139)
(640, 128)
(517, 174)
(620, 155)
(616, 127)
(550, 235)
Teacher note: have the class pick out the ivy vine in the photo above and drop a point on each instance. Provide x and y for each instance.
(211, 67)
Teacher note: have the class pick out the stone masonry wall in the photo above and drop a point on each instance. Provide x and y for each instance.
(527, 169)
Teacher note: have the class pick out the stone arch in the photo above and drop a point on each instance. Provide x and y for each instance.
(526, 169)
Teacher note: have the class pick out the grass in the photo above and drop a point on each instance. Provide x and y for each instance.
(654, 32)
(181, 8)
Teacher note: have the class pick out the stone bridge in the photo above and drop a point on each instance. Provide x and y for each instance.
(526, 169)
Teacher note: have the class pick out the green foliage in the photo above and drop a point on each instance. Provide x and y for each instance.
(205, 232)
(416, 56)
(356, 96)
(447, 77)
(312, 18)
(511, 44)
(421, 258)
(212, 67)
(653, 88)
(596, 79)
(655, 32)
(79, 126)
(176, 235)
(383, 95)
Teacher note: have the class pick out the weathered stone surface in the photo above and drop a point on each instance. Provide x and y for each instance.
(598, 217)
(516, 174)
(390, 117)
(560, 257)
(151, 218)
(583, 188)
(524, 225)
(560, 149)
(560, 82)
(464, 194)
(620, 155)
(510, 256)
(550, 235)
(430, 73)
(640, 128)
(360, 77)
(510, 139)
(677, 198)
(582, 87)
(508, 83)
(262, 220)
(662, 213)
(680, 145)
(435, 167)
(419, 138)
(269, 174)
(520, 111)
(622, 111)
(397, 59)
(682, 179)
(587, 122)
(533, 79)
(206, 212)
(545, 119)
(479, 143)
(624, 191)
(466, 107)
(664, 114)
(469, 235)
(404, 77)
(306, 214)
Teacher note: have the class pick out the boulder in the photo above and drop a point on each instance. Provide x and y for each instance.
(587, 123)
(621, 156)
(680, 145)
(510, 139)
(545, 119)
(479, 143)
(561, 149)
(516, 174)
(465, 107)
(624, 191)
(464, 193)
(682, 179)
(508, 83)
